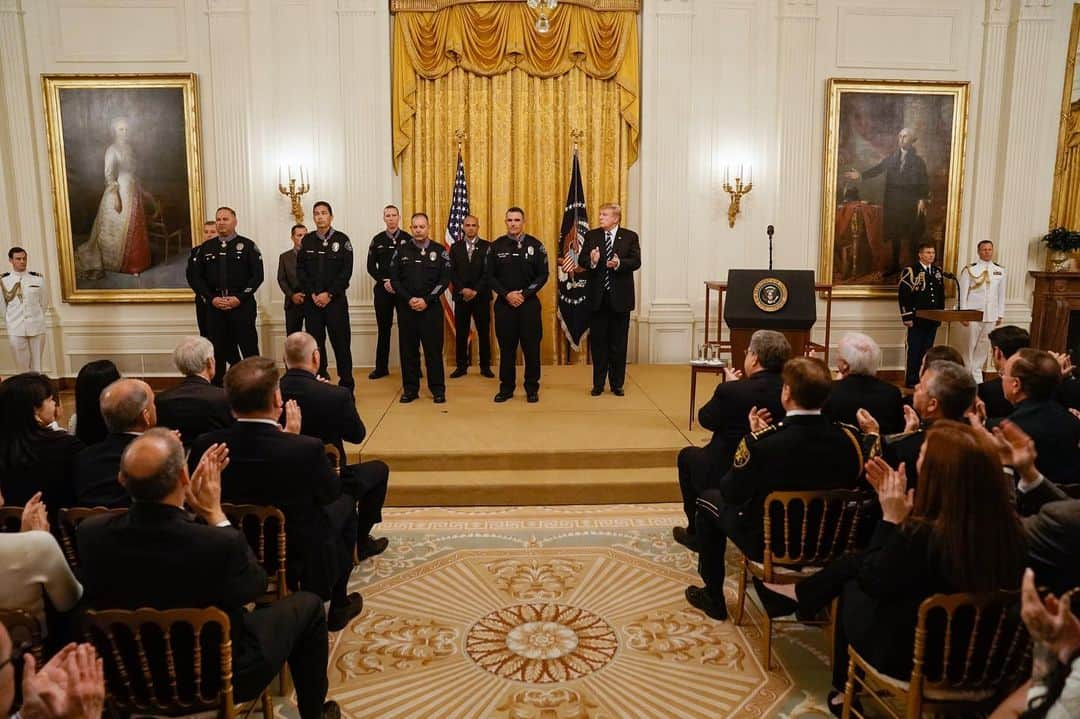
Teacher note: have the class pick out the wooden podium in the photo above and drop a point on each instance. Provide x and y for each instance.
(950, 315)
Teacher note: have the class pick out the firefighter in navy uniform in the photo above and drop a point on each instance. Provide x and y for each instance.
(380, 252)
(324, 267)
(922, 287)
(419, 274)
(228, 271)
(517, 267)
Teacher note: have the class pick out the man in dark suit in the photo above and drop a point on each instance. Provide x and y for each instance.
(472, 298)
(158, 555)
(127, 406)
(329, 413)
(806, 451)
(613, 256)
(727, 416)
(859, 387)
(921, 288)
(195, 406)
(290, 471)
(290, 286)
(1004, 343)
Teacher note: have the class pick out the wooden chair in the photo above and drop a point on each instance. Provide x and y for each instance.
(69, 520)
(970, 650)
(167, 662)
(259, 524)
(334, 456)
(24, 628)
(816, 527)
(11, 519)
(1073, 490)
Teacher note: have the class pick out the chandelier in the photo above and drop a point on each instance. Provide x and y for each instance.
(543, 22)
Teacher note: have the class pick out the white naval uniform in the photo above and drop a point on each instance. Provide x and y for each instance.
(982, 287)
(23, 303)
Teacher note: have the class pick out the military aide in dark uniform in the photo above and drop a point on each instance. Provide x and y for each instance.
(419, 274)
(921, 288)
(472, 298)
(228, 273)
(517, 267)
(380, 252)
(209, 233)
(324, 267)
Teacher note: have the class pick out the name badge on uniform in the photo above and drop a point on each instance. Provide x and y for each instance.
(432, 256)
(239, 246)
(335, 247)
(997, 272)
(531, 250)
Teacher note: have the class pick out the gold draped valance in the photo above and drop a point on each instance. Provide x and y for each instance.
(493, 38)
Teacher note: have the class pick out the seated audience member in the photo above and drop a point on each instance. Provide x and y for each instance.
(33, 456)
(71, 685)
(157, 555)
(32, 566)
(1004, 343)
(1030, 379)
(128, 408)
(87, 423)
(806, 451)
(329, 412)
(960, 534)
(859, 387)
(195, 406)
(1054, 544)
(726, 416)
(285, 469)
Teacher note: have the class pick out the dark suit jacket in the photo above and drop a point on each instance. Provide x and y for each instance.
(1057, 437)
(1054, 544)
(327, 411)
(469, 273)
(627, 248)
(905, 447)
(725, 415)
(903, 189)
(96, 468)
(993, 396)
(286, 277)
(879, 398)
(193, 407)
(290, 472)
(51, 473)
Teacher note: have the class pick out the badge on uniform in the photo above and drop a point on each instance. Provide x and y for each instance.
(432, 256)
(239, 246)
(530, 250)
(335, 247)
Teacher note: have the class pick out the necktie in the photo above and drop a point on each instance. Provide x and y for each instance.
(609, 252)
(469, 247)
(903, 159)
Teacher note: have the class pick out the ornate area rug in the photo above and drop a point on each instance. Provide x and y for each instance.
(557, 613)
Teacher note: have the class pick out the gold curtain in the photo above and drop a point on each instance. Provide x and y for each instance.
(1066, 200)
(481, 68)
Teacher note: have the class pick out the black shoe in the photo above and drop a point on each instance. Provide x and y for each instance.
(371, 548)
(596, 391)
(331, 710)
(698, 597)
(486, 372)
(339, 617)
(459, 372)
(532, 397)
(439, 399)
(503, 396)
(774, 604)
(684, 537)
(406, 398)
(378, 373)
(617, 391)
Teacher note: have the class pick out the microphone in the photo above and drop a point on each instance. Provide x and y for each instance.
(769, 231)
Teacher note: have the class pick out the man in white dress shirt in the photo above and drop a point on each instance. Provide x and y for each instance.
(24, 310)
(982, 287)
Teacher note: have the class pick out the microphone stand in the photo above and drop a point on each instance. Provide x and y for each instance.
(769, 231)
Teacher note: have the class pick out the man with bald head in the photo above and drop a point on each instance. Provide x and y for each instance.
(127, 406)
(158, 555)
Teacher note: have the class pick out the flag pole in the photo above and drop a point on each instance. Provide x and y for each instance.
(576, 134)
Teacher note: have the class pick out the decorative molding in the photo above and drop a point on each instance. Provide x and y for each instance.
(226, 7)
(1036, 11)
(987, 135)
(799, 10)
(356, 7)
(72, 18)
(892, 26)
(11, 7)
(436, 5)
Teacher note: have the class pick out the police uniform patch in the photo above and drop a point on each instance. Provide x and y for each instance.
(530, 251)
(742, 454)
(239, 246)
(348, 246)
(335, 247)
(432, 256)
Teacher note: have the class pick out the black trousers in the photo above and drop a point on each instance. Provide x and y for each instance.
(332, 319)
(416, 329)
(290, 630)
(697, 473)
(608, 331)
(366, 482)
(384, 319)
(714, 527)
(814, 594)
(920, 337)
(477, 310)
(516, 326)
(233, 334)
(200, 318)
(294, 318)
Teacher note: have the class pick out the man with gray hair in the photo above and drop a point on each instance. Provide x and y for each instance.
(127, 406)
(859, 387)
(195, 406)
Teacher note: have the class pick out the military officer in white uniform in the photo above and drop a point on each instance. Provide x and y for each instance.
(982, 287)
(24, 311)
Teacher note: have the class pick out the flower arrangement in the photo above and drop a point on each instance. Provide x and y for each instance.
(1061, 240)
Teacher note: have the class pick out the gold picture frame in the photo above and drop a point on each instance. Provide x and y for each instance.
(1065, 198)
(878, 200)
(123, 235)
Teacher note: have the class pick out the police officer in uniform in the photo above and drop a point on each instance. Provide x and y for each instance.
(209, 232)
(921, 288)
(229, 272)
(24, 311)
(982, 287)
(380, 252)
(324, 267)
(517, 267)
(419, 273)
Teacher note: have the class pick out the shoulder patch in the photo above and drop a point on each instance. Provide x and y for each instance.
(348, 246)
(446, 255)
(5, 274)
(742, 454)
(35, 274)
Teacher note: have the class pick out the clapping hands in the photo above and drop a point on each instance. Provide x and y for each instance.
(759, 419)
(34, 515)
(1049, 620)
(203, 493)
(293, 418)
(70, 686)
(895, 498)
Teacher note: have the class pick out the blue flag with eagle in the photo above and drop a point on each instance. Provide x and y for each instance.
(573, 312)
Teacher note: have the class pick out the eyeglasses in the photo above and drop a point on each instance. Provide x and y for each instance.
(16, 654)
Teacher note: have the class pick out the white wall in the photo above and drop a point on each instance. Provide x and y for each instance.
(308, 80)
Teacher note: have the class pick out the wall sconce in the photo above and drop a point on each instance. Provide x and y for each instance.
(737, 190)
(295, 190)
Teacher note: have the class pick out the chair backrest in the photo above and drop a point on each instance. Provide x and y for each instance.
(23, 626)
(264, 527)
(334, 455)
(69, 520)
(10, 519)
(971, 643)
(812, 528)
(1072, 490)
(164, 661)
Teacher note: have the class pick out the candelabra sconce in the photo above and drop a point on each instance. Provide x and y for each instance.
(737, 188)
(543, 22)
(297, 188)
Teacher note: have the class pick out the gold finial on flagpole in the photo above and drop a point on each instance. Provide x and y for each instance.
(460, 136)
(577, 135)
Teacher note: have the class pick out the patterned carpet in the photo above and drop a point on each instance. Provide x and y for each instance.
(556, 613)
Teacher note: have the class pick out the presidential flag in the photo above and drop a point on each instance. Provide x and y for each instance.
(459, 209)
(573, 312)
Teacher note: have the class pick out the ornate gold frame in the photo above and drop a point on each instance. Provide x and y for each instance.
(1068, 133)
(51, 85)
(834, 89)
(436, 5)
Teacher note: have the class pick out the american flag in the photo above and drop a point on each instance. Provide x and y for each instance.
(459, 208)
